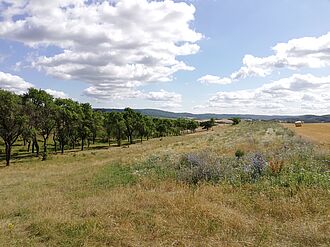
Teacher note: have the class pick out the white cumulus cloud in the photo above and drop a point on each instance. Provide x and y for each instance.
(298, 94)
(18, 85)
(306, 52)
(57, 94)
(115, 46)
(212, 79)
(13, 83)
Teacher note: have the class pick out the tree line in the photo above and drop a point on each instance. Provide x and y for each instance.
(37, 114)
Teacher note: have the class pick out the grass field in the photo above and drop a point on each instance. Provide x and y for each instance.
(136, 196)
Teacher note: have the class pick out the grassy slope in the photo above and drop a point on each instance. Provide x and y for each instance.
(89, 199)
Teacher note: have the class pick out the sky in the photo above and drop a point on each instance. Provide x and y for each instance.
(216, 56)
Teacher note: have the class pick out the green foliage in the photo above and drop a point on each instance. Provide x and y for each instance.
(41, 111)
(12, 120)
(208, 124)
(236, 120)
(239, 153)
(114, 125)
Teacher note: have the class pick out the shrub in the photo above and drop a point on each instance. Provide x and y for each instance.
(236, 120)
(195, 168)
(239, 153)
(257, 166)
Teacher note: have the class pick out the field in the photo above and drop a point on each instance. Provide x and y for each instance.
(144, 194)
(316, 132)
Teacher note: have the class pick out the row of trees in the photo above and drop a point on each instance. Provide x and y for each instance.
(37, 114)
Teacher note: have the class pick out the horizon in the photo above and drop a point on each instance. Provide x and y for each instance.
(190, 57)
(209, 113)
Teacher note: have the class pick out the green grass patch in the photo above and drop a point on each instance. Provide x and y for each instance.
(115, 175)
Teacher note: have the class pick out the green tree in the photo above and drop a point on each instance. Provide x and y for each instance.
(140, 125)
(96, 125)
(208, 124)
(115, 126)
(66, 120)
(236, 120)
(27, 134)
(131, 119)
(11, 120)
(85, 123)
(149, 127)
(192, 125)
(43, 108)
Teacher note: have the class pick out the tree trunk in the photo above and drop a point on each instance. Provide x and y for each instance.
(62, 147)
(8, 154)
(44, 156)
(29, 144)
(82, 144)
(131, 139)
(55, 144)
(141, 138)
(88, 142)
(37, 147)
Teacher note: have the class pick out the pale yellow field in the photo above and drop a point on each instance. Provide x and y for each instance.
(318, 132)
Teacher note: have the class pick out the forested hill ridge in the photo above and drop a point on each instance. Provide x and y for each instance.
(168, 114)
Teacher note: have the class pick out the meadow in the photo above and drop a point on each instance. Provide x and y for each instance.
(253, 184)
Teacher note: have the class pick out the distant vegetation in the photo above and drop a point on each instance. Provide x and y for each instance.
(167, 114)
(36, 114)
(236, 120)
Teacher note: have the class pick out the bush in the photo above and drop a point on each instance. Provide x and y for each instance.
(196, 168)
(239, 153)
(257, 165)
(236, 120)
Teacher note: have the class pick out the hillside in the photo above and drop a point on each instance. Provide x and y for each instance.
(186, 190)
(168, 114)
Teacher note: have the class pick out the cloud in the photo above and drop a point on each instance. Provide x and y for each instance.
(163, 95)
(164, 98)
(18, 85)
(307, 52)
(298, 94)
(13, 83)
(115, 46)
(211, 79)
(57, 94)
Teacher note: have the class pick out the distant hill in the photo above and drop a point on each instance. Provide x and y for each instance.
(168, 114)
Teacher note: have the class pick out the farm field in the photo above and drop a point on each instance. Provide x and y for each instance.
(147, 195)
(316, 132)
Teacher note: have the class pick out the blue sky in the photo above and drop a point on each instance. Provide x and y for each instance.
(178, 56)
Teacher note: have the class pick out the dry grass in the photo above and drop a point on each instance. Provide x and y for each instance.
(316, 132)
(319, 132)
(61, 202)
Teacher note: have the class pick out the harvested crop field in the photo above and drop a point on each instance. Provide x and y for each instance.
(316, 132)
